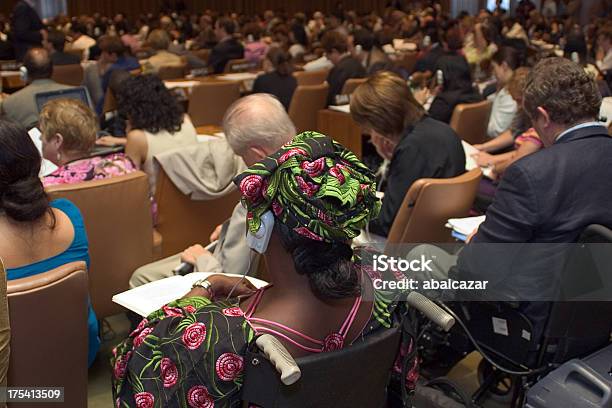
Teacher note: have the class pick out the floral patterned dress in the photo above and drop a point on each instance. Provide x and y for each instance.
(93, 168)
(190, 353)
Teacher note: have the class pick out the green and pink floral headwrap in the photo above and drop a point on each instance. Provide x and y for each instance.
(314, 186)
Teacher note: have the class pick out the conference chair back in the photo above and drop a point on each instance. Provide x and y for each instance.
(306, 102)
(182, 221)
(351, 84)
(48, 318)
(71, 74)
(209, 101)
(118, 221)
(470, 121)
(333, 379)
(177, 71)
(311, 77)
(110, 102)
(78, 52)
(407, 60)
(428, 205)
(202, 54)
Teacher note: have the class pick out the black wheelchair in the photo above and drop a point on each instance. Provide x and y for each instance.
(517, 352)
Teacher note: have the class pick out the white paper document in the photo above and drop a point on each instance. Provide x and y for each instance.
(46, 166)
(148, 298)
(470, 162)
(465, 226)
(341, 108)
(180, 84)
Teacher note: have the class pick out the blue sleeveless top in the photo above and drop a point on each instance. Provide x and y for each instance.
(77, 251)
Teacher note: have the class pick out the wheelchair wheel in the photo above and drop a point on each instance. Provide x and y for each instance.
(502, 386)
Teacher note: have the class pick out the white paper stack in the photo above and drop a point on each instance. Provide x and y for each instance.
(148, 298)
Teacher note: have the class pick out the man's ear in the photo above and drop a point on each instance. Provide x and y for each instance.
(543, 116)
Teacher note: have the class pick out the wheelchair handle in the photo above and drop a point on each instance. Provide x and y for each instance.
(280, 357)
(431, 310)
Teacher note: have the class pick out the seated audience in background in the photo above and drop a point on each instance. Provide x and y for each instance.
(278, 79)
(54, 230)
(80, 39)
(20, 107)
(255, 126)
(155, 122)
(255, 49)
(345, 67)
(451, 42)
(562, 102)
(504, 108)
(524, 137)
(228, 48)
(112, 122)
(27, 29)
(69, 130)
(159, 40)
(604, 50)
(56, 41)
(113, 57)
(456, 88)
(308, 257)
(367, 51)
(416, 145)
(298, 37)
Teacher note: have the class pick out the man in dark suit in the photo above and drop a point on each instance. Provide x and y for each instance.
(345, 67)
(227, 48)
(552, 196)
(28, 29)
(55, 43)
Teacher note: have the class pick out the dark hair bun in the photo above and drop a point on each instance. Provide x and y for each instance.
(328, 268)
(328, 265)
(25, 200)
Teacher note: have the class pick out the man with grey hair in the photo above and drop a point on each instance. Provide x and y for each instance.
(255, 126)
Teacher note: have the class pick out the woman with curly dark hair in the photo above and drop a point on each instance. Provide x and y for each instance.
(155, 121)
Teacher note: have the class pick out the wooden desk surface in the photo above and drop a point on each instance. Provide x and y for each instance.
(208, 130)
(341, 127)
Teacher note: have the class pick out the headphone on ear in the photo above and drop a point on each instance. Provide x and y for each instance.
(23, 72)
(259, 240)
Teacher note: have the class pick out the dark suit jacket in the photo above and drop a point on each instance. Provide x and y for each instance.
(223, 52)
(347, 68)
(444, 104)
(280, 86)
(549, 198)
(26, 29)
(63, 58)
(430, 149)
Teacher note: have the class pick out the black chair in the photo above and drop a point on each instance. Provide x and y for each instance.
(356, 376)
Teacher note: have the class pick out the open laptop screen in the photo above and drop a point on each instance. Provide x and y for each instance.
(79, 93)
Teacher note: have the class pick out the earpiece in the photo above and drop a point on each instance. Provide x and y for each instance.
(23, 72)
(440, 77)
(259, 241)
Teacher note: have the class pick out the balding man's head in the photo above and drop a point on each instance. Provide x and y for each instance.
(257, 126)
(38, 63)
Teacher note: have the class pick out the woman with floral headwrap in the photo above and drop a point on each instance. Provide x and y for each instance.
(190, 353)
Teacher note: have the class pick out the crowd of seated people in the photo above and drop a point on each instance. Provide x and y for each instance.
(404, 109)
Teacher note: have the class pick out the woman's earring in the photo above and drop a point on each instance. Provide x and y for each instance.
(59, 157)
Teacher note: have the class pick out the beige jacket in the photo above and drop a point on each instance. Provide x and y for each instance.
(203, 171)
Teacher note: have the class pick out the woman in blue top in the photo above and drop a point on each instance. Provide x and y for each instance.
(37, 236)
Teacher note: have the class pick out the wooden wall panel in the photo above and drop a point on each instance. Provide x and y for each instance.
(136, 7)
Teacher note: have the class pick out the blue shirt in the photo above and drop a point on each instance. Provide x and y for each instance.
(77, 251)
(124, 62)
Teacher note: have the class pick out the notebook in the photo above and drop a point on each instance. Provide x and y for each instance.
(46, 166)
(341, 108)
(463, 227)
(148, 298)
